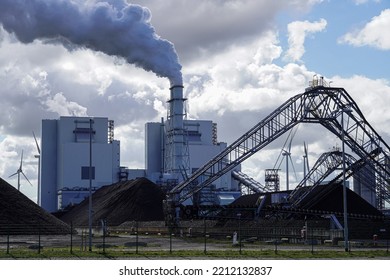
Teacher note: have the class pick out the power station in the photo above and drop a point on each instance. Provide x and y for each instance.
(193, 185)
(177, 147)
(196, 171)
(174, 149)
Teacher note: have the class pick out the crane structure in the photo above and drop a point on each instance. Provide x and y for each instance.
(319, 104)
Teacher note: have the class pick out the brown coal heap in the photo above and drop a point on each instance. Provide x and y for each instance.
(134, 200)
(20, 215)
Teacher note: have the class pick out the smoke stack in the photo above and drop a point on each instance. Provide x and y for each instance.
(176, 108)
(175, 130)
(113, 27)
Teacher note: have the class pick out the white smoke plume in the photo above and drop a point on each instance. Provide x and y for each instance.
(112, 27)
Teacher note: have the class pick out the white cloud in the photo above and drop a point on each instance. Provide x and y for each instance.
(374, 33)
(60, 105)
(297, 32)
(372, 97)
(242, 85)
(360, 2)
(132, 144)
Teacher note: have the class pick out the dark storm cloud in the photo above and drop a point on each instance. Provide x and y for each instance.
(203, 27)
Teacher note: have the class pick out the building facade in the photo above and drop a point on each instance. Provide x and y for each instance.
(200, 145)
(67, 146)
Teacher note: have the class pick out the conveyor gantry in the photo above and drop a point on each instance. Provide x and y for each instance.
(326, 165)
(249, 182)
(321, 105)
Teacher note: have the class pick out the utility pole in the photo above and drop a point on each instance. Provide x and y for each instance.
(346, 247)
(90, 186)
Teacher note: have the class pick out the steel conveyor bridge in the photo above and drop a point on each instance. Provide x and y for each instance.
(325, 166)
(331, 107)
(249, 182)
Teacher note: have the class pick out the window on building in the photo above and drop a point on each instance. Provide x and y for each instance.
(84, 130)
(83, 134)
(85, 172)
(194, 136)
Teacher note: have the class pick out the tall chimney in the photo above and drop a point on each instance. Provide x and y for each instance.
(175, 131)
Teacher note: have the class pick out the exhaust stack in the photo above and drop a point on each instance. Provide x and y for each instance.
(175, 132)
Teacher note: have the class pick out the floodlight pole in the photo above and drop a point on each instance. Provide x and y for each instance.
(90, 186)
(346, 247)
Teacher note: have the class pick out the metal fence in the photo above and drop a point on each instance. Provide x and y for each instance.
(143, 238)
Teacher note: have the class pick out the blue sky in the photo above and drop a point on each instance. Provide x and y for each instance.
(240, 59)
(328, 56)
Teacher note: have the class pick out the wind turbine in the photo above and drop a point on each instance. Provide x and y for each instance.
(305, 162)
(38, 156)
(20, 171)
(287, 154)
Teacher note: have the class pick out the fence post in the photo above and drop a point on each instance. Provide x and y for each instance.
(136, 237)
(104, 241)
(81, 243)
(170, 240)
(239, 231)
(205, 236)
(312, 241)
(275, 241)
(39, 238)
(7, 239)
(71, 237)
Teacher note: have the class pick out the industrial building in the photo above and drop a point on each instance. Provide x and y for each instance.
(65, 159)
(200, 144)
(178, 147)
(174, 149)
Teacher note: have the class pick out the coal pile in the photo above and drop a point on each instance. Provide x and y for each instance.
(134, 200)
(20, 215)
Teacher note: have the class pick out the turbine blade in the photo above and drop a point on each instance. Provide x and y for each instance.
(26, 177)
(36, 143)
(293, 167)
(289, 145)
(21, 161)
(307, 157)
(13, 174)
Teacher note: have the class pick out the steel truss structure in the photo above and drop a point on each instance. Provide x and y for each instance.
(320, 105)
(249, 182)
(326, 165)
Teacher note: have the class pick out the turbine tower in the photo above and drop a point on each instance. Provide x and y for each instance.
(38, 156)
(287, 154)
(306, 167)
(20, 171)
